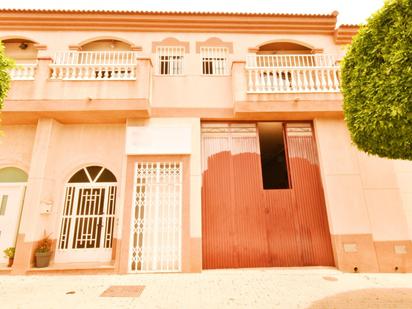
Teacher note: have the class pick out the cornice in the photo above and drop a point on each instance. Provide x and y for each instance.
(344, 33)
(334, 13)
(147, 21)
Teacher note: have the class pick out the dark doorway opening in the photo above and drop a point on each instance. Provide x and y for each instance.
(273, 160)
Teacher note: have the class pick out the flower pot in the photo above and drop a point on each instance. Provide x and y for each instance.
(42, 259)
(11, 260)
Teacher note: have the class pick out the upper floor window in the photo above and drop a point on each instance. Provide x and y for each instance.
(169, 60)
(214, 60)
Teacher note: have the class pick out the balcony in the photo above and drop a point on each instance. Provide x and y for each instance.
(81, 86)
(23, 71)
(286, 87)
(292, 74)
(94, 65)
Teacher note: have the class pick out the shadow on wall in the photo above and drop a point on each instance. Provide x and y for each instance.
(367, 298)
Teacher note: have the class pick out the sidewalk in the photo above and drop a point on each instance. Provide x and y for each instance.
(242, 288)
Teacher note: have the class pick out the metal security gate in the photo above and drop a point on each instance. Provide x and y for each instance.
(244, 225)
(87, 224)
(156, 225)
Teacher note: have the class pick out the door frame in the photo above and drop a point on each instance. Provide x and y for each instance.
(73, 255)
(122, 251)
(291, 189)
(22, 186)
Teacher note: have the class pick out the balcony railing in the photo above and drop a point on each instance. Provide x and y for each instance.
(292, 73)
(23, 71)
(96, 65)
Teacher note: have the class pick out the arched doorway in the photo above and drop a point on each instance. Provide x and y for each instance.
(12, 186)
(87, 223)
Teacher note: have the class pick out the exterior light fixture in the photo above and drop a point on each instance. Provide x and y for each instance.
(23, 45)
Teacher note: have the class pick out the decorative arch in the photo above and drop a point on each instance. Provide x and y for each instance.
(285, 46)
(17, 37)
(170, 41)
(297, 42)
(214, 42)
(22, 49)
(93, 174)
(83, 161)
(12, 174)
(105, 38)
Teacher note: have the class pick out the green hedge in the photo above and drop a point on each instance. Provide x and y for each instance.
(377, 83)
(5, 64)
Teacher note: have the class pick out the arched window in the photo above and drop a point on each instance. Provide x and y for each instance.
(12, 174)
(87, 224)
(93, 174)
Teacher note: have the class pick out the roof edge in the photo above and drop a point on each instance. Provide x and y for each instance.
(160, 12)
(158, 21)
(345, 32)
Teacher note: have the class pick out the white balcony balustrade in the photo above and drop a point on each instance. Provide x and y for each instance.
(94, 65)
(292, 73)
(23, 71)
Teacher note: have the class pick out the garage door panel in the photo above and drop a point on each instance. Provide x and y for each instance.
(311, 211)
(282, 230)
(217, 219)
(249, 213)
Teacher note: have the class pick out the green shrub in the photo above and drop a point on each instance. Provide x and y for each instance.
(377, 83)
(9, 252)
(5, 65)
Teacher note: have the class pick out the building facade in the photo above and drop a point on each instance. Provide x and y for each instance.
(176, 142)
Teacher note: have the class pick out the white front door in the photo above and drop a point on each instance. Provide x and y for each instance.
(11, 200)
(87, 224)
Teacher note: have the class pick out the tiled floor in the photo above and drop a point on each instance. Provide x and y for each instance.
(249, 288)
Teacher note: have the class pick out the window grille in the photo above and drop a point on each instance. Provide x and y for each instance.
(170, 60)
(214, 60)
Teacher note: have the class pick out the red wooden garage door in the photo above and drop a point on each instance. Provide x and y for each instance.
(247, 226)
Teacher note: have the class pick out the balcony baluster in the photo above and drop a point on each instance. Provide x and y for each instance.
(99, 65)
(292, 73)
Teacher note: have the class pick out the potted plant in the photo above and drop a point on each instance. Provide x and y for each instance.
(43, 252)
(9, 252)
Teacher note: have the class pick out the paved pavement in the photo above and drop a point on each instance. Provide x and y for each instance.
(242, 288)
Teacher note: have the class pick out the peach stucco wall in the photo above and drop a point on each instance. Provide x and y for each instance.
(368, 199)
(364, 194)
(79, 146)
(59, 151)
(190, 90)
(403, 170)
(195, 162)
(241, 42)
(16, 144)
